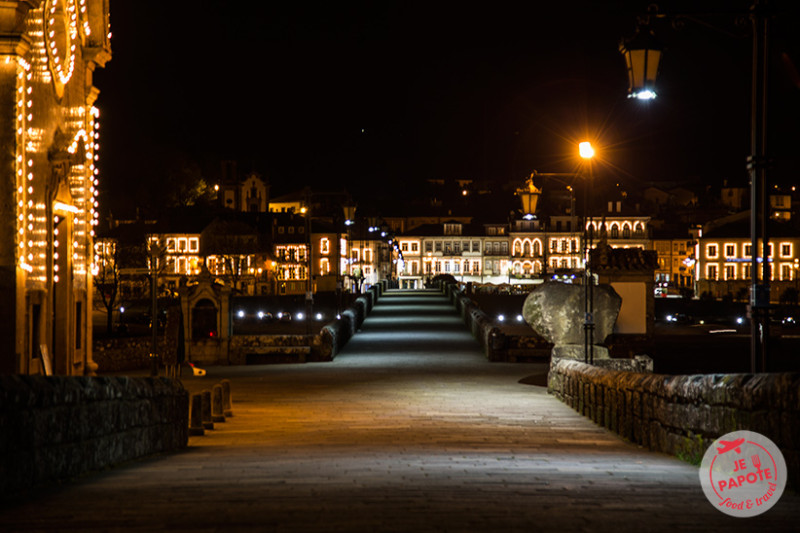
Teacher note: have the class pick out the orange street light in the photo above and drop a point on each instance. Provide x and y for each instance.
(586, 150)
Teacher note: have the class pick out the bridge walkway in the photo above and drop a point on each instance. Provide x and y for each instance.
(409, 429)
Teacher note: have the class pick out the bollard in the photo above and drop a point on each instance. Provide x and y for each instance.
(227, 407)
(208, 423)
(196, 416)
(216, 404)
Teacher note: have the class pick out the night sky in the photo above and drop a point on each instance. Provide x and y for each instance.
(378, 97)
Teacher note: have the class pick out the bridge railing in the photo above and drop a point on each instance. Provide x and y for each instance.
(682, 415)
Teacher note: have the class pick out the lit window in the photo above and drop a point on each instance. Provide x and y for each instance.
(730, 271)
(730, 250)
(711, 272)
(711, 251)
(786, 249)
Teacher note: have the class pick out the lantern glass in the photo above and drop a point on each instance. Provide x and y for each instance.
(349, 212)
(529, 197)
(642, 56)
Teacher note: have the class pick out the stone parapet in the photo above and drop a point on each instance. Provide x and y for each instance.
(56, 428)
(133, 353)
(683, 415)
(498, 346)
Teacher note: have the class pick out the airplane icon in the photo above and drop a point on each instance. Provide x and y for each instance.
(728, 446)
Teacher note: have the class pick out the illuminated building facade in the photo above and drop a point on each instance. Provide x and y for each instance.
(49, 132)
(675, 271)
(552, 251)
(724, 256)
(466, 251)
(181, 257)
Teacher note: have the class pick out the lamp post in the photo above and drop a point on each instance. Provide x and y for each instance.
(156, 251)
(642, 54)
(309, 273)
(349, 209)
(586, 151)
(528, 191)
(529, 195)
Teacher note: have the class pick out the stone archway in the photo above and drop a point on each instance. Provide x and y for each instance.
(205, 304)
(204, 320)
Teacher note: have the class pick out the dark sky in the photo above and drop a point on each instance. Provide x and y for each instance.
(377, 97)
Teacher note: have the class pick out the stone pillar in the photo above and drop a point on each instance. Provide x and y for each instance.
(196, 416)
(208, 423)
(217, 413)
(227, 403)
(631, 271)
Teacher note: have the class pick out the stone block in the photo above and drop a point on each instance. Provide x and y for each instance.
(227, 400)
(208, 422)
(556, 312)
(217, 412)
(196, 416)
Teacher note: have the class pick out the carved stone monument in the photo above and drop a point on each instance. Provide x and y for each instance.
(556, 312)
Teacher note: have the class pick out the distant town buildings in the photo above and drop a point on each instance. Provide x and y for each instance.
(304, 242)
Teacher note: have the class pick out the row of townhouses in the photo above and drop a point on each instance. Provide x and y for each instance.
(292, 250)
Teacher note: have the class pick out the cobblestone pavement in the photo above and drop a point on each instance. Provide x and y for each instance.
(410, 429)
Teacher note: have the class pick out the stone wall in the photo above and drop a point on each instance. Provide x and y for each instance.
(56, 428)
(683, 415)
(498, 346)
(133, 353)
(342, 330)
(122, 354)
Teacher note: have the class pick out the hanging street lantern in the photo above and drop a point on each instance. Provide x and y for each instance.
(349, 209)
(642, 55)
(529, 196)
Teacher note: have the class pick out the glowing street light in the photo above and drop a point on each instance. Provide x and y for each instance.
(586, 150)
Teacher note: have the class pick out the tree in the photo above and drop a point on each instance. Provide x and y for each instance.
(106, 278)
(185, 184)
(232, 243)
(114, 257)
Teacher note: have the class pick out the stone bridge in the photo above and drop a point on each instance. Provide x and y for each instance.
(409, 428)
